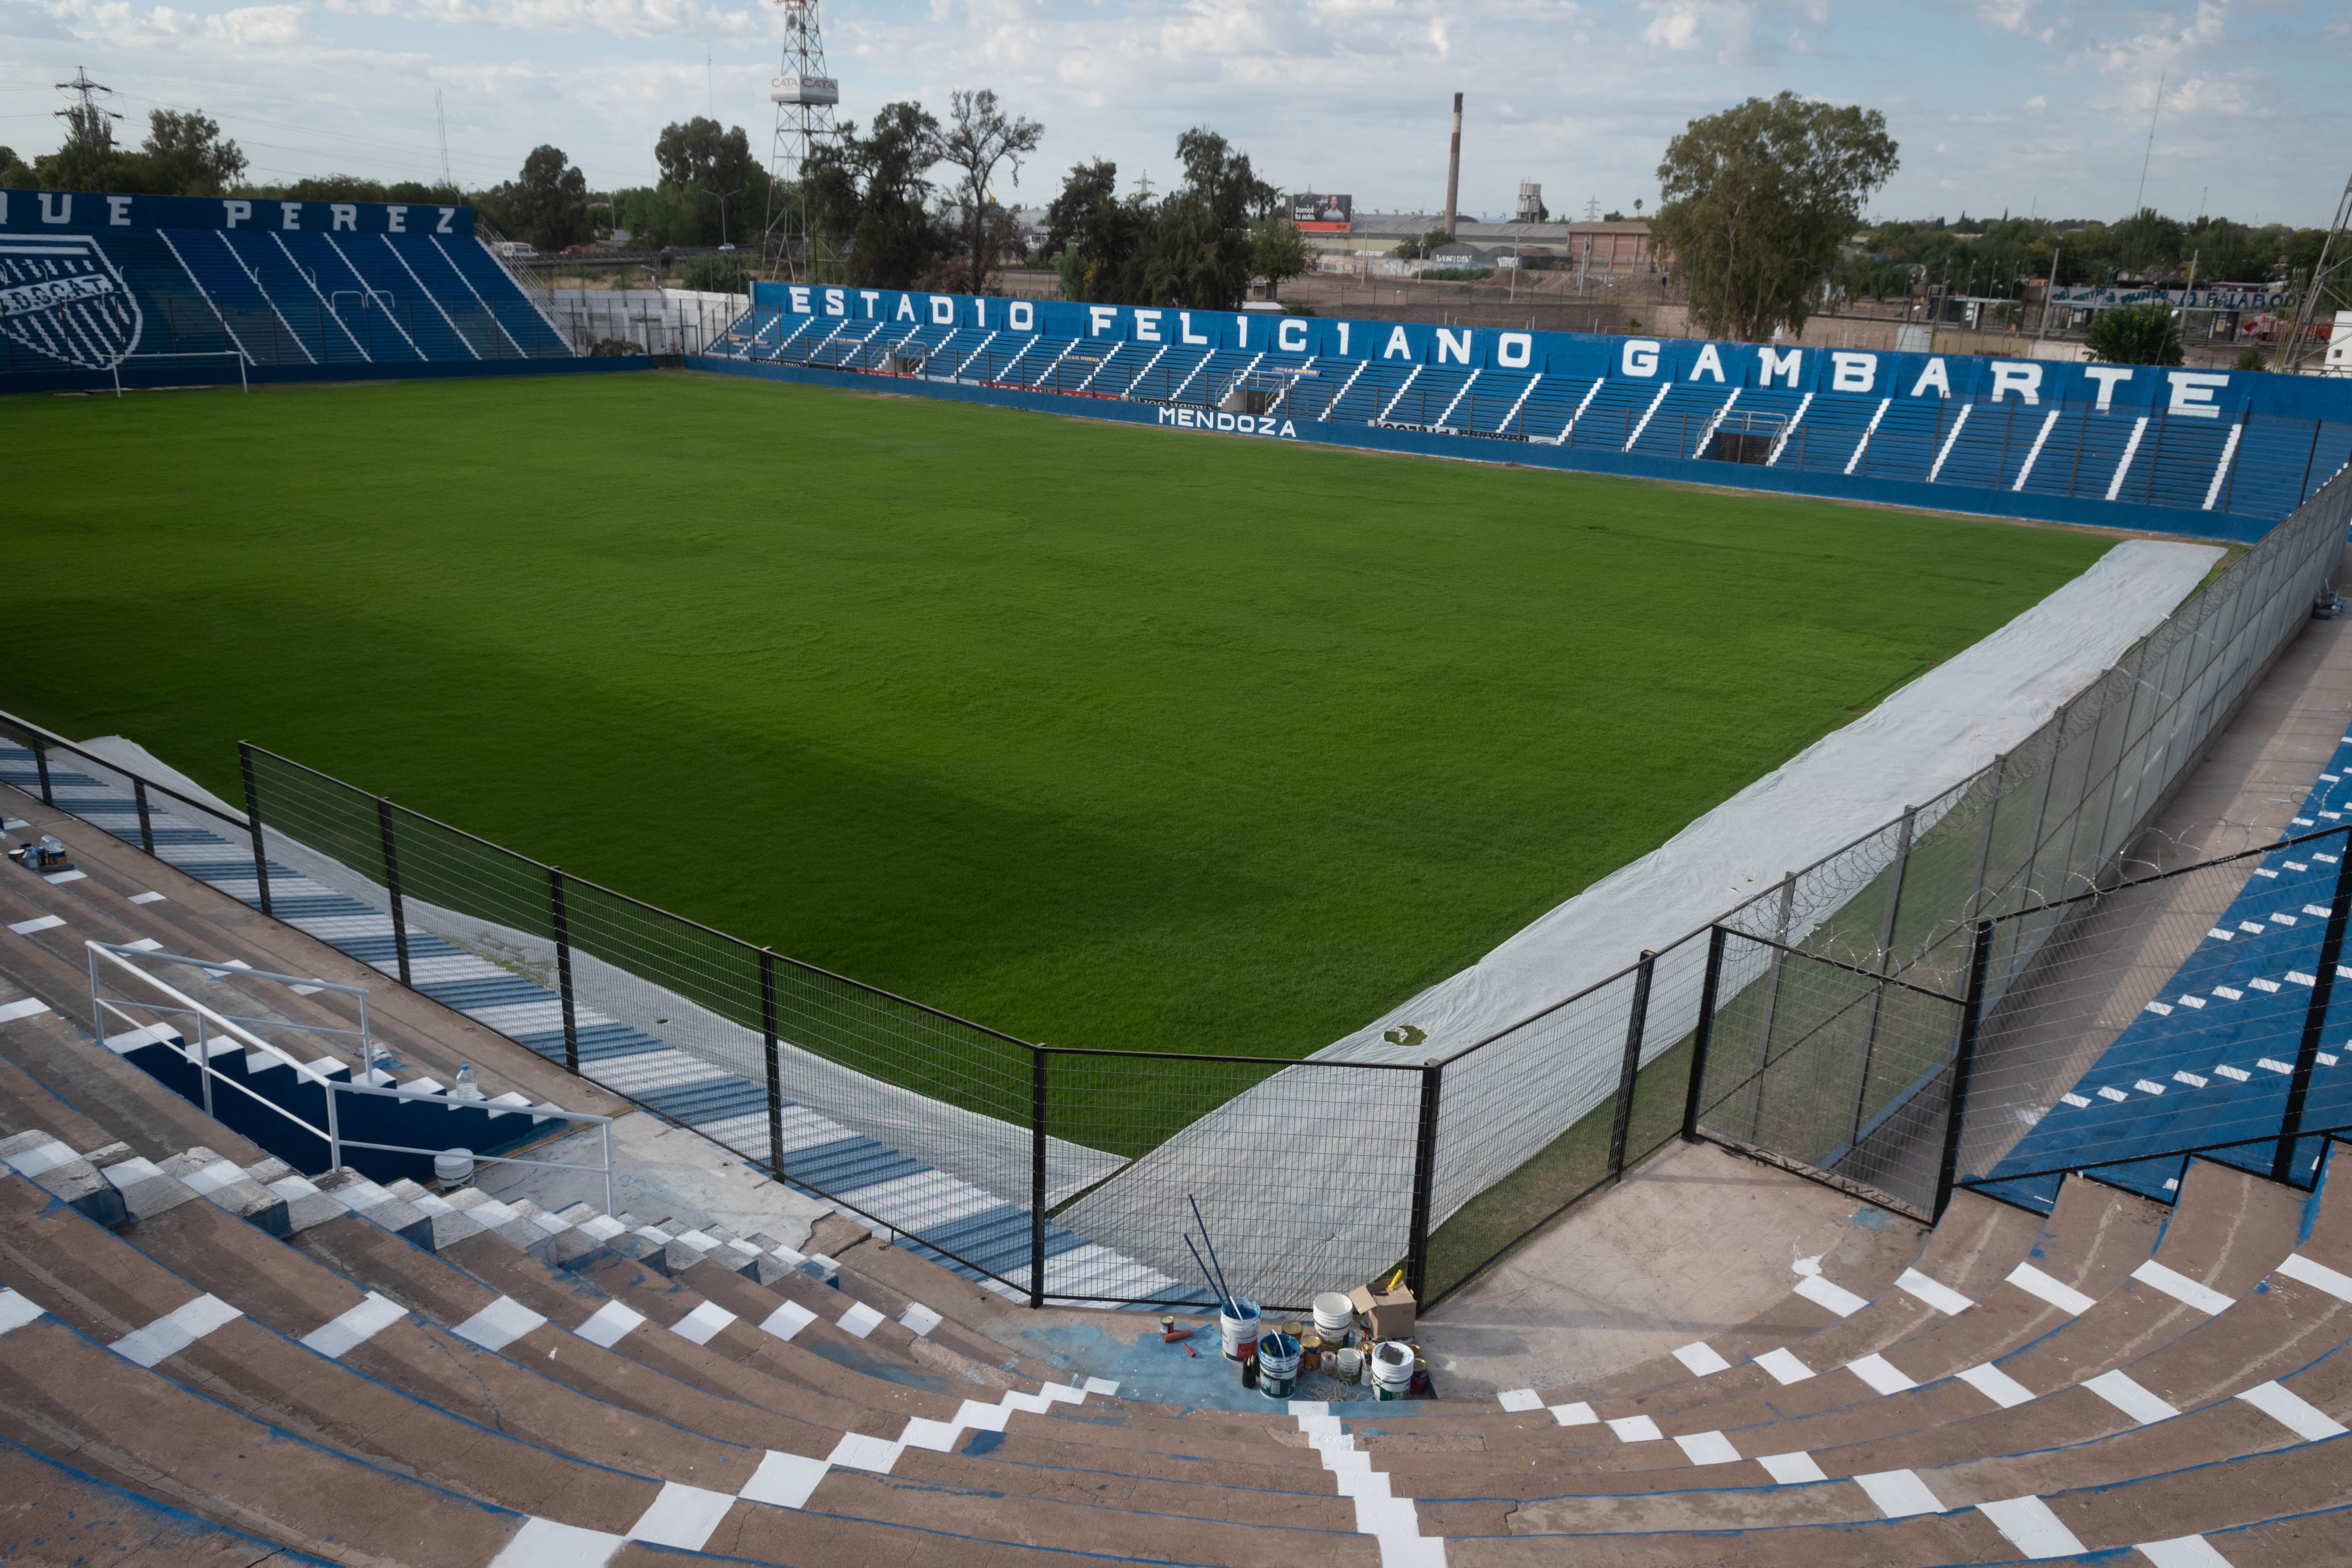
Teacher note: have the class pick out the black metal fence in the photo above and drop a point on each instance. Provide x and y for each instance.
(2124, 990)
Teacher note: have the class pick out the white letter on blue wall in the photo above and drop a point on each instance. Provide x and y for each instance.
(1453, 348)
(1020, 316)
(1707, 363)
(2192, 393)
(800, 298)
(1398, 348)
(1770, 363)
(235, 213)
(1513, 350)
(1639, 358)
(1291, 337)
(1147, 326)
(1935, 376)
(1852, 373)
(2025, 380)
(1099, 319)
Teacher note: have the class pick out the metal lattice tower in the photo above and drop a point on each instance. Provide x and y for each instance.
(805, 94)
(2334, 267)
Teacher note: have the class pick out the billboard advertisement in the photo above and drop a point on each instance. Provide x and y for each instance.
(1322, 214)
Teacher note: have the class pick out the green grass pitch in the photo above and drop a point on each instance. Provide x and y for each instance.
(1102, 735)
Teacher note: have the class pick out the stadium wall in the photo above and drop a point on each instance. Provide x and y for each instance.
(2205, 453)
(1420, 443)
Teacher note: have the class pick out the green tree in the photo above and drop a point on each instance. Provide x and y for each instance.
(1277, 251)
(1758, 200)
(868, 199)
(187, 156)
(978, 137)
(1197, 251)
(15, 174)
(2135, 335)
(547, 204)
(1094, 237)
(714, 181)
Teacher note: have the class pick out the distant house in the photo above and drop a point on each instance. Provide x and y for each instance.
(1615, 248)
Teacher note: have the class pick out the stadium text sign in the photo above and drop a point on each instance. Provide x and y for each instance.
(2216, 297)
(1282, 342)
(90, 212)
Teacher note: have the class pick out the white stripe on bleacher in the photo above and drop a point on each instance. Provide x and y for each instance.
(24, 1007)
(499, 1324)
(174, 1331)
(2129, 1397)
(1708, 1448)
(1784, 1366)
(789, 1319)
(1701, 1358)
(921, 1320)
(860, 1321)
(681, 1516)
(1899, 1494)
(703, 1323)
(2298, 1266)
(1836, 1297)
(860, 1452)
(2182, 1552)
(543, 1543)
(2034, 1282)
(1790, 1469)
(1576, 1415)
(65, 877)
(1636, 1429)
(2031, 1527)
(1521, 1399)
(15, 1311)
(1941, 1297)
(2291, 1411)
(1880, 1374)
(2179, 1286)
(608, 1323)
(784, 1480)
(40, 1159)
(338, 1335)
(1995, 1386)
(42, 922)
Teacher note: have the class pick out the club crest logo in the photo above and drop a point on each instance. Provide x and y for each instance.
(63, 298)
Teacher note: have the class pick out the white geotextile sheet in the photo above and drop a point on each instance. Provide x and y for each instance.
(1501, 1106)
(992, 1155)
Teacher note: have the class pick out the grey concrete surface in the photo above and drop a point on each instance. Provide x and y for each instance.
(1699, 1244)
(660, 1171)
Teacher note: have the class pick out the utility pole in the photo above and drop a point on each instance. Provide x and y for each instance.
(85, 122)
(2149, 155)
(441, 118)
(1453, 168)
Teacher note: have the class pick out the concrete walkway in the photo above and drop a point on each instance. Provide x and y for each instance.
(1699, 1243)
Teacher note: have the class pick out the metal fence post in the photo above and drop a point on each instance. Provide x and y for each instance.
(1964, 1060)
(2314, 1018)
(1781, 925)
(564, 965)
(391, 886)
(1037, 1175)
(41, 765)
(1885, 963)
(1631, 1064)
(253, 821)
(775, 1066)
(146, 824)
(1424, 1180)
(1704, 1034)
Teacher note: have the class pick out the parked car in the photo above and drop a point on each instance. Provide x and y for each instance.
(578, 249)
(516, 247)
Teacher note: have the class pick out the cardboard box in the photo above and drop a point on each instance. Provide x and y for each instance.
(1389, 1312)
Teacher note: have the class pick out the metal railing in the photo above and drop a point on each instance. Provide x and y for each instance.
(237, 1033)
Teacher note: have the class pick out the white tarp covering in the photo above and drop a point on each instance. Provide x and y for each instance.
(1504, 1104)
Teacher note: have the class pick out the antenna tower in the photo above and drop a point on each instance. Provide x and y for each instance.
(87, 121)
(805, 94)
(441, 118)
(2327, 280)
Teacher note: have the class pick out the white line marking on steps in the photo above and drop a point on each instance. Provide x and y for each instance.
(1708, 1448)
(701, 1325)
(1836, 1297)
(1941, 1297)
(499, 1324)
(2179, 1286)
(25, 1007)
(340, 1335)
(608, 1323)
(2298, 1266)
(1701, 1358)
(1520, 1399)
(2064, 1296)
(1995, 1386)
(2031, 1527)
(1789, 1469)
(2182, 1552)
(2290, 1410)
(174, 1331)
(2129, 1397)
(681, 1516)
(1784, 1366)
(1880, 1374)
(1899, 1493)
(43, 922)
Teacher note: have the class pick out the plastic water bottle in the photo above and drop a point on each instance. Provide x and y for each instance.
(467, 1087)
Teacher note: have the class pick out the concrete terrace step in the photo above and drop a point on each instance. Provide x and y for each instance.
(901, 1194)
(54, 1513)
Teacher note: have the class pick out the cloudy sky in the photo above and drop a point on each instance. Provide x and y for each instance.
(2038, 105)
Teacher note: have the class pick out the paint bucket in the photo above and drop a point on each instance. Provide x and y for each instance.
(1335, 1315)
(1345, 1365)
(1241, 1333)
(1392, 1369)
(1277, 1365)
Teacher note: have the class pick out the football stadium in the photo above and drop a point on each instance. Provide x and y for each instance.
(1059, 931)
